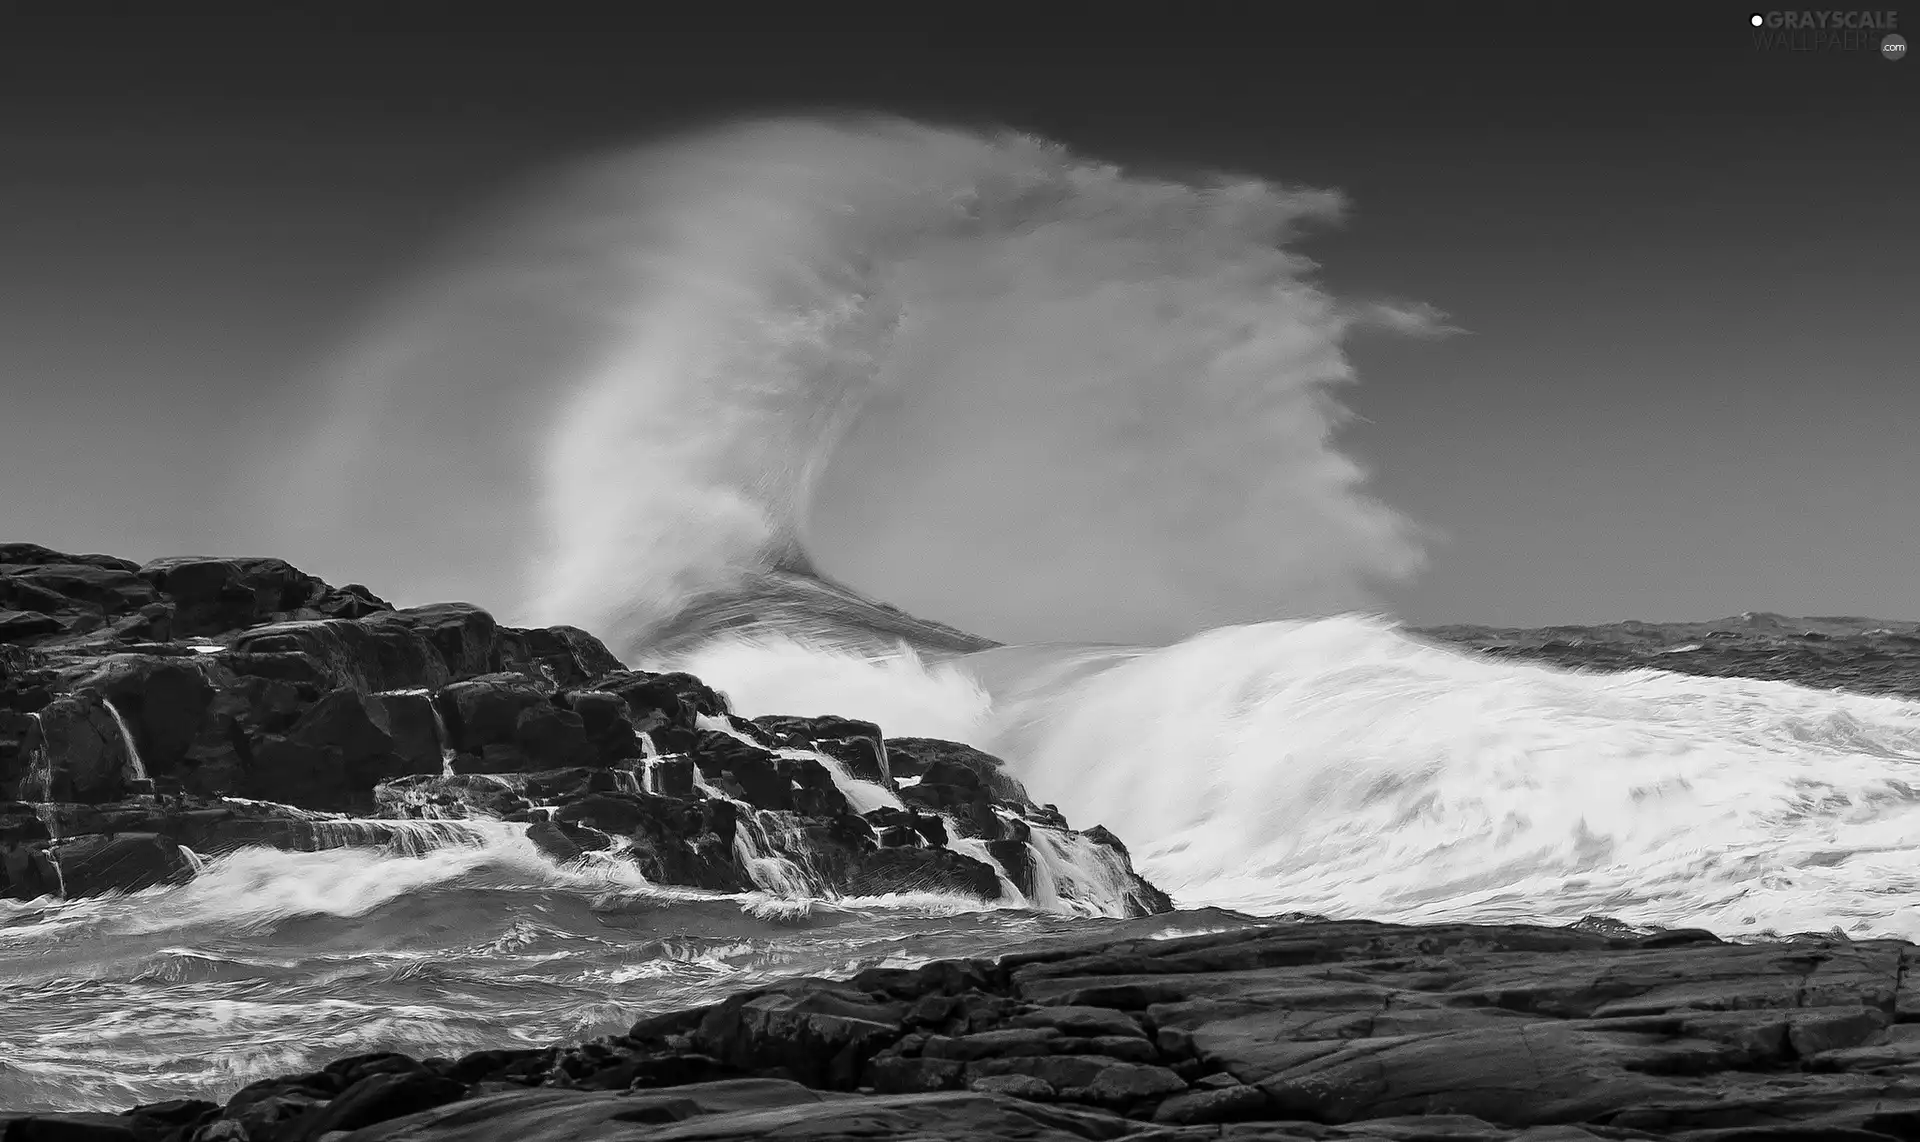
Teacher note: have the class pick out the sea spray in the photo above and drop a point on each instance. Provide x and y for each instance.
(1342, 766)
(898, 354)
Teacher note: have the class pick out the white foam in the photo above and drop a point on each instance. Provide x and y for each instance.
(1342, 767)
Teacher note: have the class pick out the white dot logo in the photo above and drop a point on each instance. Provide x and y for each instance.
(1756, 19)
(1893, 47)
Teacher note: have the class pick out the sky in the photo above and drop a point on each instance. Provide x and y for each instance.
(1685, 269)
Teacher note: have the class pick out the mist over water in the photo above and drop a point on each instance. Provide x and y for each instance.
(804, 366)
(730, 400)
(977, 376)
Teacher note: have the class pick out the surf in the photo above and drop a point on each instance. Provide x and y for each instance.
(978, 438)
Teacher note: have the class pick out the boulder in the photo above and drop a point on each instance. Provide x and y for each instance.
(855, 744)
(822, 1033)
(414, 726)
(86, 757)
(464, 636)
(333, 756)
(104, 589)
(607, 724)
(941, 871)
(165, 701)
(353, 653)
(918, 757)
(127, 862)
(674, 840)
(663, 701)
(217, 595)
(21, 626)
(568, 655)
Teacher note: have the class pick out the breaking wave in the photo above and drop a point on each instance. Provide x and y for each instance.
(736, 388)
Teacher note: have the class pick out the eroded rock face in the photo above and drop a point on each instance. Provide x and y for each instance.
(1321, 1031)
(137, 700)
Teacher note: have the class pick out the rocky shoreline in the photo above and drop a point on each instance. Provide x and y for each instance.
(154, 716)
(1293, 1032)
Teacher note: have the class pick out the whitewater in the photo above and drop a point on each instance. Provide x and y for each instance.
(765, 401)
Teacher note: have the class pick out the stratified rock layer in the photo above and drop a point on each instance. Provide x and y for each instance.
(1299, 1031)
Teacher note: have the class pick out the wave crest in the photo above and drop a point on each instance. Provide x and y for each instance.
(975, 375)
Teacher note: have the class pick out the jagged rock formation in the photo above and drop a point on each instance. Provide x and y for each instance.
(152, 716)
(1291, 1032)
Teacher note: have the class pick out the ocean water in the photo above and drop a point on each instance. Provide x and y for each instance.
(761, 402)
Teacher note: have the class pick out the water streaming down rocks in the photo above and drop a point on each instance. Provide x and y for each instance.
(299, 716)
(136, 770)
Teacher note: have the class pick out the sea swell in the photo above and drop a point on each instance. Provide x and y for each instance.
(717, 398)
(1090, 414)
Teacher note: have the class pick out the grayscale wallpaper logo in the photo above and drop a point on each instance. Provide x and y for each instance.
(1830, 30)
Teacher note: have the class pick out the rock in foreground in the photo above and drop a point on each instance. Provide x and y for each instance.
(1321, 1030)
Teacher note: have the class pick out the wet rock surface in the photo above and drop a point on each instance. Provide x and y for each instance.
(1312, 1030)
(153, 716)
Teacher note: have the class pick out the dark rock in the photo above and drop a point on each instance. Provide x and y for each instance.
(332, 757)
(374, 1099)
(353, 1068)
(1015, 1086)
(897, 1074)
(284, 689)
(570, 656)
(922, 870)
(413, 727)
(554, 841)
(352, 601)
(995, 1044)
(109, 590)
(366, 655)
(823, 1033)
(856, 744)
(67, 1128)
(567, 784)
(1124, 1085)
(671, 701)
(1062, 1072)
(680, 1069)
(215, 596)
(1085, 1021)
(85, 753)
(1226, 1104)
(606, 724)
(17, 626)
(919, 757)
(675, 840)
(127, 862)
(485, 1065)
(164, 701)
(162, 1118)
(463, 634)
(673, 776)
(486, 710)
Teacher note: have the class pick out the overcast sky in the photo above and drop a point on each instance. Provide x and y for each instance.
(1687, 269)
